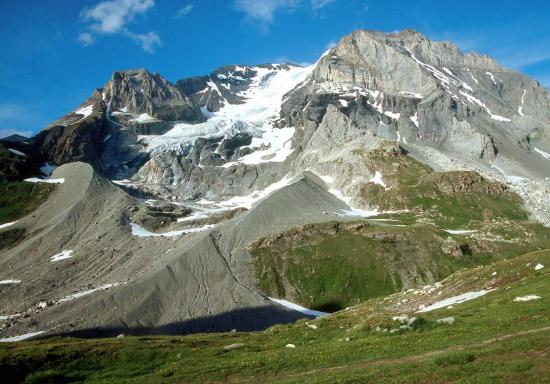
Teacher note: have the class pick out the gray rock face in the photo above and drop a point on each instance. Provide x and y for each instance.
(138, 92)
(423, 94)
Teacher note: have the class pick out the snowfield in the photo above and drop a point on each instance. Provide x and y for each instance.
(255, 117)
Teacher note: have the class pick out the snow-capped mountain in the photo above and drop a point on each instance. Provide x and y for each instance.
(211, 164)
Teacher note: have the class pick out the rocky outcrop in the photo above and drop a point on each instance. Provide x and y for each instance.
(139, 92)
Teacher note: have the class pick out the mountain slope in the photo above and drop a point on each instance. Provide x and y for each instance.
(203, 168)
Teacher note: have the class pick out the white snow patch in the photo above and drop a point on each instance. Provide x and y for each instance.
(377, 179)
(47, 181)
(87, 292)
(414, 119)
(298, 308)
(520, 108)
(67, 254)
(526, 298)
(538, 267)
(492, 77)
(143, 118)
(352, 211)
(10, 281)
(344, 103)
(16, 152)
(249, 200)
(546, 155)
(142, 232)
(475, 100)
(327, 179)
(459, 231)
(26, 336)
(411, 94)
(455, 300)
(86, 111)
(7, 317)
(392, 115)
(8, 224)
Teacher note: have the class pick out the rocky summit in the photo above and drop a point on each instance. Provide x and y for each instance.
(261, 195)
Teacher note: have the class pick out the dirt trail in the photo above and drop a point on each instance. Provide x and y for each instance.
(277, 377)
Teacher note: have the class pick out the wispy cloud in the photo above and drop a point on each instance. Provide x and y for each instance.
(265, 11)
(149, 41)
(186, 9)
(113, 17)
(318, 4)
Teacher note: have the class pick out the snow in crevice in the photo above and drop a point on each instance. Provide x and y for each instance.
(444, 79)
(471, 75)
(299, 308)
(414, 119)
(455, 300)
(475, 100)
(520, 108)
(492, 78)
(255, 116)
(546, 155)
(9, 282)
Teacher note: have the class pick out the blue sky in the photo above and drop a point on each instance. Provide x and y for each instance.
(56, 52)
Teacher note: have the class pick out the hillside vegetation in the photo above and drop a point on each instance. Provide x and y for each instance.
(494, 338)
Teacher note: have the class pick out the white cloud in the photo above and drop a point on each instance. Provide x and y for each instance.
(111, 17)
(8, 132)
(318, 4)
(148, 41)
(184, 11)
(265, 10)
(86, 38)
